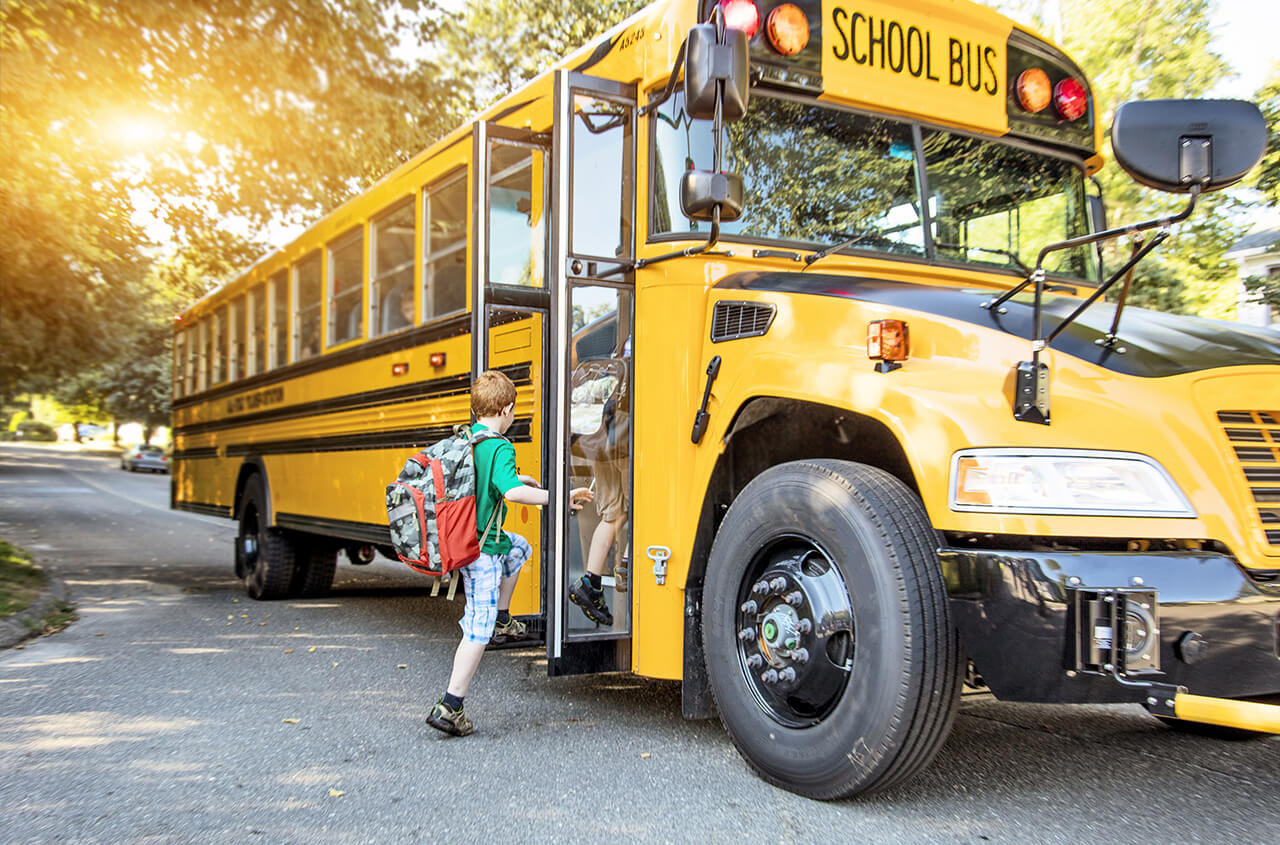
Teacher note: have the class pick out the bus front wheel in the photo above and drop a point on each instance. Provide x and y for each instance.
(829, 646)
(265, 558)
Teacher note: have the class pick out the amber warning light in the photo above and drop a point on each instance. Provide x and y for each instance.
(399, 368)
(437, 359)
(788, 29)
(888, 341)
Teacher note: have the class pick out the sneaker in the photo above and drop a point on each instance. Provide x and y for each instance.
(620, 575)
(453, 722)
(591, 601)
(513, 630)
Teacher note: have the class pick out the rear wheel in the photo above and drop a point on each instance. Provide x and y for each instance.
(829, 645)
(317, 561)
(265, 556)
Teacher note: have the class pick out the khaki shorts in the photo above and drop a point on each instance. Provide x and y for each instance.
(612, 489)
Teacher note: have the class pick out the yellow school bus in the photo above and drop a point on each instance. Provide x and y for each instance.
(811, 293)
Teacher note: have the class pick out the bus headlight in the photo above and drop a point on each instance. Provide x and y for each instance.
(1064, 481)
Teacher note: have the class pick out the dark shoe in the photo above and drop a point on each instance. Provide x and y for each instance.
(621, 571)
(513, 630)
(453, 722)
(591, 601)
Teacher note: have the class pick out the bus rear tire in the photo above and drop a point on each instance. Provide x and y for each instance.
(317, 563)
(265, 556)
(845, 675)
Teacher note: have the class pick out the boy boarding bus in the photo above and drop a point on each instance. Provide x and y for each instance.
(813, 289)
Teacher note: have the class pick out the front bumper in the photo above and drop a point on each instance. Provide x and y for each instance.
(1013, 612)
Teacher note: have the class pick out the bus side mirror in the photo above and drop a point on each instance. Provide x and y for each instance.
(1175, 145)
(701, 191)
(707, 65)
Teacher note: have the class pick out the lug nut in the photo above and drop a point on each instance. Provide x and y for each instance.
(750, 608)
(755, 661)
(787, 674)
(794, 598)
(747, 635)
(804, 626)
(778, 584)
(760, 587)
(800, 655)
(770, 677)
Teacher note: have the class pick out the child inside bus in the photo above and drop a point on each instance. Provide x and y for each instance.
(490, 581)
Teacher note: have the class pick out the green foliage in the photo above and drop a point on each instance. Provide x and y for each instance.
(1264, 289)
(1268, 100)
(124, 123)
(503, 43)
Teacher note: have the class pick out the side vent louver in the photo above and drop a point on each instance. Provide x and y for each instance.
(732, 320)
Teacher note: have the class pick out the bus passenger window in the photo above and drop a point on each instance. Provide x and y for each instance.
(306, 309)
(192, 361)
(280, 319)
(235, 344)
(179, 362)
(219, 346)
(346, 282)
(204, 361)
(257, 329)
(517, 223)
(444, 276)
(391, 302)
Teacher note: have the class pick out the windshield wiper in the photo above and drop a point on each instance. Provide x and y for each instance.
(845, 244)
(1012, 256)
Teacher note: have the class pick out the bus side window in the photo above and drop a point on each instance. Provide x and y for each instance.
(179, 362)
(204, 360)
(279, 342)
(191, 364)
(306, 308)
(257, 329)
(219, 346)
(444, 272)
(391, 300)
(235, 339)
(346, 283)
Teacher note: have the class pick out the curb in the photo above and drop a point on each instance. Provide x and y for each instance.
(14, 629)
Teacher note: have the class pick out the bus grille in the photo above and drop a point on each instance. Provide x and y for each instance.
(1255, 439)
(732, 320)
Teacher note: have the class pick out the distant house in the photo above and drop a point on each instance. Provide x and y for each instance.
(1257, 254)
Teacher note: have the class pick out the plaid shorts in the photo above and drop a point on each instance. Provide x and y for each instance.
(481, 580)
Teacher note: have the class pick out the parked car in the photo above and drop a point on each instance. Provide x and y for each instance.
(151, 458)
(32, 430)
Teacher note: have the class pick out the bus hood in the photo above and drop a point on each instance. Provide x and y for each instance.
(1155, 344)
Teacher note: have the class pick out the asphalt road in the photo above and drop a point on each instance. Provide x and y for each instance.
(178, 710)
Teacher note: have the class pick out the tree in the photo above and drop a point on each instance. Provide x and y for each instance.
(125, 123)
(1268, 100)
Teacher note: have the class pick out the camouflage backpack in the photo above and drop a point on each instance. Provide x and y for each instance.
(431, 506)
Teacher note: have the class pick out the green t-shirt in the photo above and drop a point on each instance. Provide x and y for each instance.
(495, 460)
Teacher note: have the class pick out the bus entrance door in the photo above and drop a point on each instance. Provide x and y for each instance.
(510, 302)
(589, 627)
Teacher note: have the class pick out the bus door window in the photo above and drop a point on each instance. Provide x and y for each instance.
(391, 298)
(235, 339)
(346, 283)
(219, 346)
(600, 223)
(444, 272)
(278, 341)
(257, 329)
(997, 205)
(306, 308)
(813, 174)
(600, 448)
(517, 218)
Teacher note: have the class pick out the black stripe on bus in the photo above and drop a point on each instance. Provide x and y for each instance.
(203, 508)
(438, 388)
(195, 454)
(364, 532)
(407, 438)
(451, 327)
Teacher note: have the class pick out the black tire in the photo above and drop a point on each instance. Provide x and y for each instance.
(873, 697)
(265, 556)
(317, 562)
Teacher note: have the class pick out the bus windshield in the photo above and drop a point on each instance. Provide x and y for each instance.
(815, 175)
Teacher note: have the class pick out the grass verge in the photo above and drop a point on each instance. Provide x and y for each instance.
(21, 583)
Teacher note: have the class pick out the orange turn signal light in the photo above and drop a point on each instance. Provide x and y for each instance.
(971, 478)
(437, 359)
(888, 340)
(399, 368)
(788, 29)
(1033, 90)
